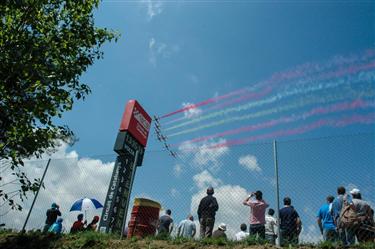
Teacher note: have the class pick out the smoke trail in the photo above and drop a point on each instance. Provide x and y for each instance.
(277, 97)
(355, 119)
(299, 71)
(338, 107)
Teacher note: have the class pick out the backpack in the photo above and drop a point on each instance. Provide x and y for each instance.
(348, 216)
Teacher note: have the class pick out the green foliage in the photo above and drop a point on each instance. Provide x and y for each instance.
(45, 47)
(255, 240)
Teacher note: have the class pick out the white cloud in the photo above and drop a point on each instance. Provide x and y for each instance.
(68, 179)
(177, 170)
(205, 179)
(175, 193)
(207, 155)
(154, 8)
(230, 197)
(160, 50)
(250, 162)
(192, 112)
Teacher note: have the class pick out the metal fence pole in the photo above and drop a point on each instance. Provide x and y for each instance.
(277, 192)
(36, 196)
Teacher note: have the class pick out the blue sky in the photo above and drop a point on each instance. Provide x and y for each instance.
(176, 52)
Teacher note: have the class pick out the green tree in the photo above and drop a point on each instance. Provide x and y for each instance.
(45, 46)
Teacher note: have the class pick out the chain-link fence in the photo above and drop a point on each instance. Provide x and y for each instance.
(309, 170)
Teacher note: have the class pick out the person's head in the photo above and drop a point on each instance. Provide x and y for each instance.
(54, 205)
(356, 193)
(80, 217)
(258, 195)
(59, 220)
(190, 217)
(243, 227)
(222, 227)
(95, 219)
(210, 191)
(330, 198)
(169, 212)
(287, 201)
(271, 212)
(341, 190)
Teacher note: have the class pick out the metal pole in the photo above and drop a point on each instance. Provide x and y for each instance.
(36, 196)
(130, 191)
(277, 193)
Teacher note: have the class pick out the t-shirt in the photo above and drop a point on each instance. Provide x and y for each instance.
(360, 206)
(271, 224)
(288, 219)
(257, 211)
(77, 227)
(219, 234)
(338, 203)
(186, 228)
(241, 235)
(326, 217)
(52, 214)
(164, 222)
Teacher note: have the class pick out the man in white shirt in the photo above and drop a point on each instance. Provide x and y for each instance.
(187, 228)
(242, 234)
(270, 227)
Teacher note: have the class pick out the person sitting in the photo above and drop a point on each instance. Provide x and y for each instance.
(78, 225)
(220, 232)
(241, 235)
(56, 227)
(93, 224)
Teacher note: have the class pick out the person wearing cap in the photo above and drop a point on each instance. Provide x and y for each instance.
(257, 213)
(207, 209)
(51, 214)
(187, 228)
(56, 227)
(220, 232)
(325, 221)
(365, 216)
(346, 236)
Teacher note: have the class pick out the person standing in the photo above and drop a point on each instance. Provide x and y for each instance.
(187, 228)
(325, 221)
(257, 213)
(346, 235)
(271, 224)
(51, 214)
(165, 226)
(207, 209)
(290, 223)
(241, 235)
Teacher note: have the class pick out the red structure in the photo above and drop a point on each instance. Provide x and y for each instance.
(144, 218)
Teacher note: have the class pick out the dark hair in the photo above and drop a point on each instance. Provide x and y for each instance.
(258, 195)
(271, 211)
(210, 190)
(243, 227)
(80, 217)
(357, 196)
(341, 190)
(330, 198)
(287, 201)
(169, 212)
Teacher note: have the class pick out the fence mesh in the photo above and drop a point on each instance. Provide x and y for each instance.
(309, 171)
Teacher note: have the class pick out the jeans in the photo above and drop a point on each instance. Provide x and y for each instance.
(288, 237)
(271, 238)
(206, 227)
(257, 229)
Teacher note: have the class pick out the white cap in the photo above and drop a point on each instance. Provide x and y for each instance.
(354, 191)
(223, 227)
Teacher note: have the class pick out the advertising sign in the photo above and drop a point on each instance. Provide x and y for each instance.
(136, 121)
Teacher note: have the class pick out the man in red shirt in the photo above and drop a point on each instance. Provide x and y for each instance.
(257, 213)
(78, 225)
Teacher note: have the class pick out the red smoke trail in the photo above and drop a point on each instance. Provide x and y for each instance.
(355, 119)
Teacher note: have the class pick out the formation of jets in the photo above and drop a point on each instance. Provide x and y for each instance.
(162, 138)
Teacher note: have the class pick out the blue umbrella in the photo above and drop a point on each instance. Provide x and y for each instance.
(85, 204)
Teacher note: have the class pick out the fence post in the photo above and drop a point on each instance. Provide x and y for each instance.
(277, 193)
(36, 196)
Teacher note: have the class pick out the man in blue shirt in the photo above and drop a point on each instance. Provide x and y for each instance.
(325, 221)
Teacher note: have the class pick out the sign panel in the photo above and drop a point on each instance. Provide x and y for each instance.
(136, 121)
(126, 144)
